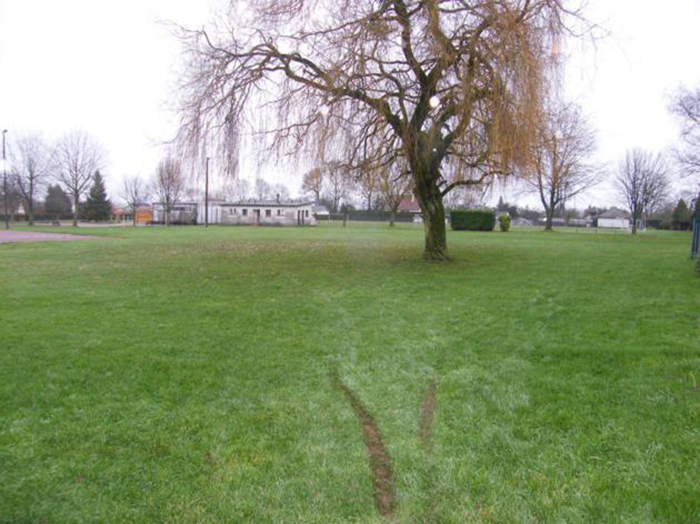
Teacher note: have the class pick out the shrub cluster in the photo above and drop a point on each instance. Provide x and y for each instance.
(504, 222)
(463, 220)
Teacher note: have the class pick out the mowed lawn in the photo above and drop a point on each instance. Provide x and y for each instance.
(184, 375)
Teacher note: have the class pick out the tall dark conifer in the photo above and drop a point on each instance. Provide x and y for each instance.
(97, 208)
(57, 202)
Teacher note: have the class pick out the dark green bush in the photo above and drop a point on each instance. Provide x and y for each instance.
(504, 222)
(463, 220)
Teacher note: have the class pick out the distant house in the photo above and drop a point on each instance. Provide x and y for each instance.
(409, 204)
(268, 212)
(614, 218)
(320, 210)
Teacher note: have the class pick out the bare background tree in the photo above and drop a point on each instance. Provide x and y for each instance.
(77, 157)
(13, 199)
(237, 189)
(32, 159)
(686, 105)
(280, 191)
(368, 185)
(338, 182)
(262, 189)
(169, 185)
(446, 86)
(312, 183)
(135, 193)
(562, 168)
(642, 183)
(393, 188)
(465, 197)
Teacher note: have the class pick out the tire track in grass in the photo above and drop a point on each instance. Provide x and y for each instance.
(379, 460)
(425, 430)
(427, 416)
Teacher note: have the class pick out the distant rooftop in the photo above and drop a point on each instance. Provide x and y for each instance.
(269, 203)
(614, 213)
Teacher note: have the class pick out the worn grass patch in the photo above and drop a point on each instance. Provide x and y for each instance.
(182, 376)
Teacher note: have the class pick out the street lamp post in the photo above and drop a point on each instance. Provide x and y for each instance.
(4, 181)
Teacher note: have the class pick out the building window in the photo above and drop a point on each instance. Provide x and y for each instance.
(307, 213)
(245, 212)
(268, 212)
(279, 212)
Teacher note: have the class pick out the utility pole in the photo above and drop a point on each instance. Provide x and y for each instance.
(206, 195)
(4, 181)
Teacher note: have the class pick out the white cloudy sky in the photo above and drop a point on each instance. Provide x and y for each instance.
(108, 67)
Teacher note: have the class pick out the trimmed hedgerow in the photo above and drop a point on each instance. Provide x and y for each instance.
(463, 220)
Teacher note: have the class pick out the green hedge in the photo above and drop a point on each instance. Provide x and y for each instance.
(504, 222)
(463, 220)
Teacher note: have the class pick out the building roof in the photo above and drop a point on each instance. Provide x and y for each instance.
(319, 209)
(614, 213)
(268, 203)
(409, 204)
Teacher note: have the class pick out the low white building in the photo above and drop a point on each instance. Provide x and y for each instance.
(614, 218)
(249, 212)
(268, 212)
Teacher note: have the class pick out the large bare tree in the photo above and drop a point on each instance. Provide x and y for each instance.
(135, 193)
(451, 88)
(562, 165)
(642, 183)
(169, 185)
(77, 156)
(32, 159)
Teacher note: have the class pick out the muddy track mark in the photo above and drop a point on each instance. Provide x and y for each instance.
(379, 460)
(427, 415)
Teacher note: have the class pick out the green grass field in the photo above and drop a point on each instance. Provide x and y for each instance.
(187, 375)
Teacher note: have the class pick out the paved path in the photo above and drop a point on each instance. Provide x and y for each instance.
(31, 236)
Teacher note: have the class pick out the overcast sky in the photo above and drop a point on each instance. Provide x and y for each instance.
(108, 67)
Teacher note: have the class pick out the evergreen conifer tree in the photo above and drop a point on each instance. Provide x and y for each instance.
(57, 202)
(681, 216)
(97, 207)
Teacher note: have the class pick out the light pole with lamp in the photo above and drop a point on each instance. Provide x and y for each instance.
(4, 181)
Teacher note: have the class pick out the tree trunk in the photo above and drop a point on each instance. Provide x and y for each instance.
(548, 221)
(430, 199)
(76, 200)
(392, 216)
(634, 224)
(30, 212)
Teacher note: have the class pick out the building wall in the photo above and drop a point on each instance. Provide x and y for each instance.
(246, 215)
(619, 223)
(185, 214)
